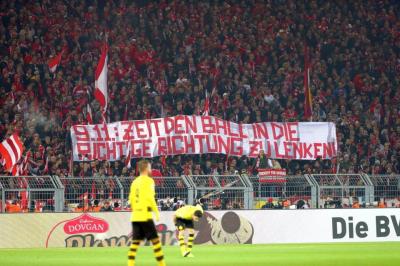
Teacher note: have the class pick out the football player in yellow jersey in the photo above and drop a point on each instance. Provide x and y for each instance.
(143, 204)
(183, 219)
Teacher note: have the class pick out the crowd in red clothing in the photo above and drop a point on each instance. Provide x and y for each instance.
(163, 56)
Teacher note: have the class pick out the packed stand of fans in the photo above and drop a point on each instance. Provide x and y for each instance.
(163, 57)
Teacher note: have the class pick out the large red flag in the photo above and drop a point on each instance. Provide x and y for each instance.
(11, 150)
(307, 91)
(100, 91)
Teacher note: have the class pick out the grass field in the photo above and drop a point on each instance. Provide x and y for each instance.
(351, 254)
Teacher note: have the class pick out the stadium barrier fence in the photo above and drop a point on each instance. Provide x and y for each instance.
(222, 191)
(79, 194)
(342, 190)
(298, 187)
(31, 193)
(386, 188)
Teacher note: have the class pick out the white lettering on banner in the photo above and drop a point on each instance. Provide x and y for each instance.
(266, 175)
(87, 227)
(203, 134)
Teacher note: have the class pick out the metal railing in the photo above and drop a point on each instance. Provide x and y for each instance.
(30, 194)
(386, 188)
(342, 190)
(81, 194)
(296, 188)
(170, 191)
(222, 191)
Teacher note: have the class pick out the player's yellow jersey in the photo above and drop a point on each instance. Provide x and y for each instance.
(142, 199)
(187, 211)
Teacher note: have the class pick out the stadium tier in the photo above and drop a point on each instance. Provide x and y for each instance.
(164, 56)
(187, 132)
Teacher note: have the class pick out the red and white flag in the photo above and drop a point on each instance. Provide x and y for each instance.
(206, 105)
(89, 116)
(54, 62)
(128, 157)
(46, 166)
(18, 169)
(11, 150)
(26, 162)
(306, 81)
(100, 92)
(15, 170)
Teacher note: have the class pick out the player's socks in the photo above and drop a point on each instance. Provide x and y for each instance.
(182, 242)
(132, 252)
(190, 242)
(158, 253)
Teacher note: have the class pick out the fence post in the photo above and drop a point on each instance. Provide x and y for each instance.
(3, 201)
(121, 189)
(249, 193)
(314, 190)
(369, 191)
(58, 194)
(191, 188)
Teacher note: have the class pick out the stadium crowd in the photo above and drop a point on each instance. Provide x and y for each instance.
(164, 55)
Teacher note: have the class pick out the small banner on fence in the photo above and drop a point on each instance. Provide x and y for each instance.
(203, 134)
(272, 175)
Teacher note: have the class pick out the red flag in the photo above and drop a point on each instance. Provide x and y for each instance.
(15, 170)
(11, 150)
(26, 163)
(307, 91)
(206, 105)
(89, 116)
(54, 62)
(27, 156)
(46, 166)
(18, 168)
(100, 92)
(164, 161)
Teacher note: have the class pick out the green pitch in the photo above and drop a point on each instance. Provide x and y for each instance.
(382, 254)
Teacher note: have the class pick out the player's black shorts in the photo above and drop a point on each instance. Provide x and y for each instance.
(184, 223)
(142, 230)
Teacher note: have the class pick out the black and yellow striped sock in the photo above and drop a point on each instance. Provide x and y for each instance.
(158, 253)
(190, 242)
(132, 252)
(181, 239)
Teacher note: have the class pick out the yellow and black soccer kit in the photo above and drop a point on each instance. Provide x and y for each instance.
(184, 220)
(143, 204)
